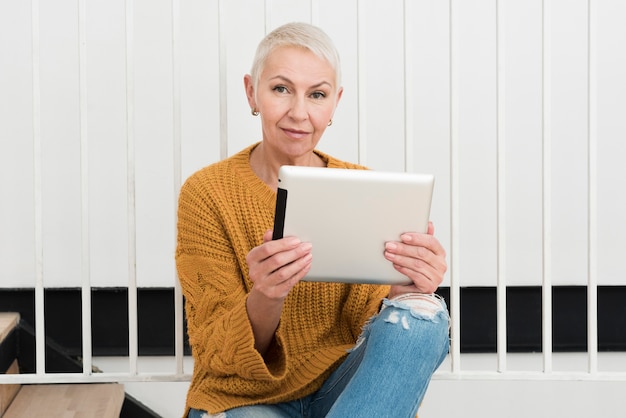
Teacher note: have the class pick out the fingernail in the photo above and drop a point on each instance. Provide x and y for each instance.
(391, 246)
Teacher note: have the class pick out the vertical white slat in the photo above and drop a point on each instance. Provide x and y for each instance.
(362, 81)
(84, 192)
(222, 24)
(315, 12)
(501, 184)
(409, 155)
(547, 187)
(267, 16)
(177, 164)
(131, 213)
(592, 285)
(40, 333)
(455, 282)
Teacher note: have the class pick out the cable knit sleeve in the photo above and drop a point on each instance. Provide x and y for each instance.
(215, 292)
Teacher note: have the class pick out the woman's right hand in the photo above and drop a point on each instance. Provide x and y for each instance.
(275, 267)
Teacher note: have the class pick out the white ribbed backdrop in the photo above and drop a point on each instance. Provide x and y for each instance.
(517, 107)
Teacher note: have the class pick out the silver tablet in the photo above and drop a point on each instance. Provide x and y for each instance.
(348, 215)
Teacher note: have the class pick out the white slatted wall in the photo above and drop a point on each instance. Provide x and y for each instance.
(516, 106)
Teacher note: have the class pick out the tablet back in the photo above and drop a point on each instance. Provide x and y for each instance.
(348, 215)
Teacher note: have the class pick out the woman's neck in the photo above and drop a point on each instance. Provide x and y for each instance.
(265, 165)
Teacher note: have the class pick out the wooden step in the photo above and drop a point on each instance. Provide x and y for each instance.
(8, 391)
(51, 400)
(8, 363)
(102, 400)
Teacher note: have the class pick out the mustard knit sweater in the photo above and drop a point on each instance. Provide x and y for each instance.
(224, 210)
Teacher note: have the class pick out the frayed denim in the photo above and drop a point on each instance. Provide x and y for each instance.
(386, 374)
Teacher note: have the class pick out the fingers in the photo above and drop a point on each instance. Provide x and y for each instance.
(277, 265)
(415, 241)
(268, 235)
(431, 228)
(420, 257)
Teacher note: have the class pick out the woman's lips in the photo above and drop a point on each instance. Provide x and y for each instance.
(296, 134)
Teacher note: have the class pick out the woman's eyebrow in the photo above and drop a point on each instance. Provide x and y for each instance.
(288, 81)
(283, 78)
(320, 84)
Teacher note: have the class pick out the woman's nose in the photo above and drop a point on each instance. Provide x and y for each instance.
(298, 110)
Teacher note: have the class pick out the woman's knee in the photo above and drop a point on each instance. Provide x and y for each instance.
(423, 314)
(430, 307)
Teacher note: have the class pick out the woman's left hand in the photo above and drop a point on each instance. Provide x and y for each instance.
(421, 258)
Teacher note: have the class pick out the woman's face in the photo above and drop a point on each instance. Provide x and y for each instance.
(296, 97)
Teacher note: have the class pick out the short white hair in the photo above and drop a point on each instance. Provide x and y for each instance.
(297, 34)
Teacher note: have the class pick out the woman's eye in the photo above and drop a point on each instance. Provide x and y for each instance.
(280, 89)
(318, 95)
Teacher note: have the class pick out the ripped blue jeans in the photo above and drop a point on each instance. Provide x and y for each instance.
(386, 374)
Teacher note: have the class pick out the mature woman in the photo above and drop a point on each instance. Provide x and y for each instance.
(265, 343)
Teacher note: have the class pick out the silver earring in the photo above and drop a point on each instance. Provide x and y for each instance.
(254, 112)
(330, 122)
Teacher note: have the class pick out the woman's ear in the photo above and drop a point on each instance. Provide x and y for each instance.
(250, 94)
(339, 94)
(337, 98)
